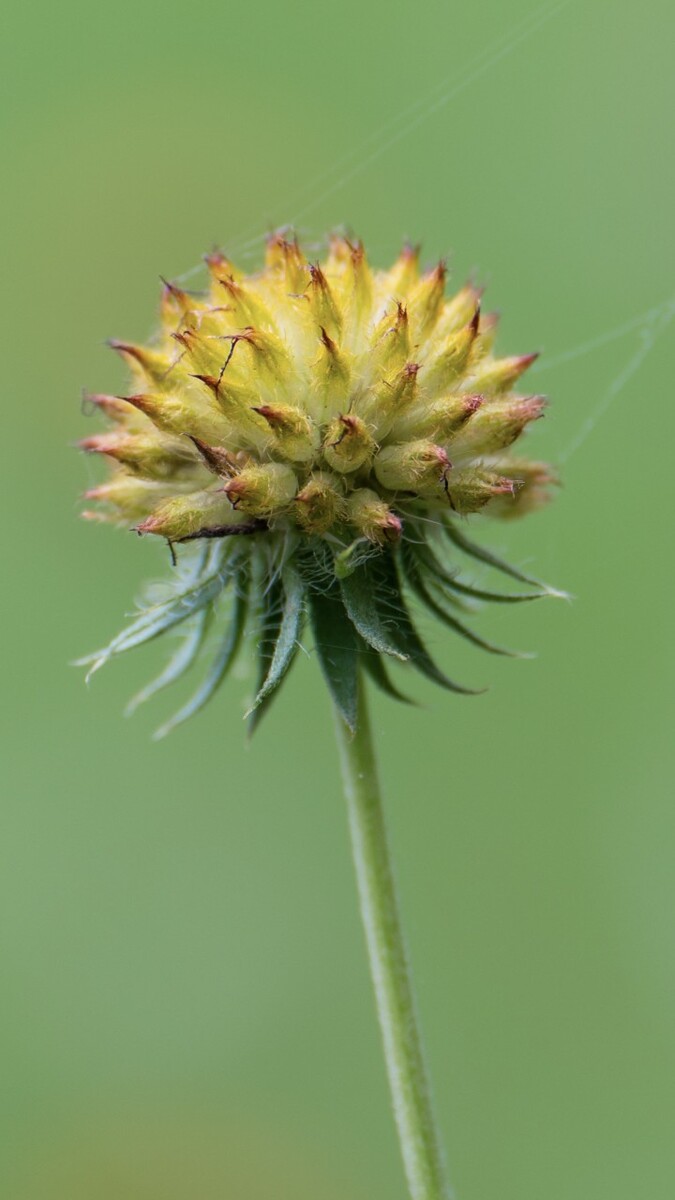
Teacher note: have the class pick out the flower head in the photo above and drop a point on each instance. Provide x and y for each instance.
(319, 430)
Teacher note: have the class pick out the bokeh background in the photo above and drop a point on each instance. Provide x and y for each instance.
(185, 1004)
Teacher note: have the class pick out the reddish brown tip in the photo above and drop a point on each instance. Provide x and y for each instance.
(328, 342)
(127, 348)
(149, 525)
(410, 251)
(141, 401)
(393, 527)
(216, 261)
(209, 380)
(439, 272)
(317, 277)
(350, 422)
(526, 361)
(472, 404)
(271, 414)
(217, 458)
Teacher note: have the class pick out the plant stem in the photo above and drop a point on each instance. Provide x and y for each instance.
(408, 1081)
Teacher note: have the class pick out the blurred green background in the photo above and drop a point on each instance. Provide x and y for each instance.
(186, 1010)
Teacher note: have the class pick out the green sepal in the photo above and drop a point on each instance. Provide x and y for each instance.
(406, 636)
(373, 665)
(418, 586)
(221, 664)
(287, 636)
(337, 650)
(158, 618)
(473, 550)
(448, 580)
(178, 664)
(269, 615)
(361, 596)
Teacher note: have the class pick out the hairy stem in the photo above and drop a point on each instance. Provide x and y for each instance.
(408, 1081)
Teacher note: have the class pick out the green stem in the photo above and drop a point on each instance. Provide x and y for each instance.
(408, 1081)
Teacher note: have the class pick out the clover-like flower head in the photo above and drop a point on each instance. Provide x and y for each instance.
(319, 431)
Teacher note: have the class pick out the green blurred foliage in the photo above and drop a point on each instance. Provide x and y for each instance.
(179, 929)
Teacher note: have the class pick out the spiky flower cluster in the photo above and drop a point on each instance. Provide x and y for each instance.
(310, 426)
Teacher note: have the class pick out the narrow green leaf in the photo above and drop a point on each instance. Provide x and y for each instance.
(407, 637)
(178, 664)
(454, 584)
(375, 668)
(287, 637)
(156, 619)
(218, 669)
(492, 560)
(337, 650)
(418, 585)
(270, 611)
(362, 593)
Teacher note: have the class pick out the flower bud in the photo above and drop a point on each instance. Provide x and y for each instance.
(357, 290)
(262, 491)
(444, 370)
(247, 429)
(485, 338)
(184, 413)
(174, 304)
(384, 403)
(332, 378)
(471, 489)
(420, 467)
(426, 301)
(184, 516)
(348, 444)
(116, 409)
(457, 312)
(319, 504)
(496, 424)
(438, 420)
(284, 256)
(390, 345)
(148, 366)
(130, 497)
(296, 437)
(373, 519)
(205, 356)
(400, 279)
(532, 488)
(221, 267)
(494, 375)
(245, 308)
(322, 305)
(153, 455)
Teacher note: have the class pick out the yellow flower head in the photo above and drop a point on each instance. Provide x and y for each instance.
(311, 425)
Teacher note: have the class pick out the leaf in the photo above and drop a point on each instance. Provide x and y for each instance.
(287, 638)
(492, 560)
(219, 667)
(428, 558)
(165, 615)
(178, 664)
(270, 617)
(419, 587)
(336, 644)
(362, 596)
(373, 665)
(408, 639)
